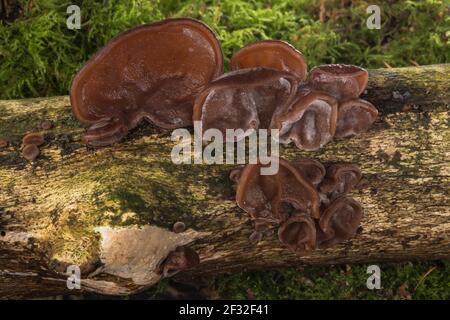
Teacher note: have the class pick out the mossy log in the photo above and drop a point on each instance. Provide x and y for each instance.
(110, 210)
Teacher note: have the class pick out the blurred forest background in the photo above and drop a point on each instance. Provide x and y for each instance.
(39, 56)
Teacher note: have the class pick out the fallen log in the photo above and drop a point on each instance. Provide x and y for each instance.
(110, 210)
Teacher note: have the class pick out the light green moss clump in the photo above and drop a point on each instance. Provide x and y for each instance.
(39, 55)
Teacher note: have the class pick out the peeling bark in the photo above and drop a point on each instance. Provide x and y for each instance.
(110, 210)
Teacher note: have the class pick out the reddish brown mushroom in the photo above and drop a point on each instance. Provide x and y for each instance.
(312, 170)
(151, 72)
(309, 122)
(289, 199)
(340, 179)
(297, 190)
(339, 221)
(339, 80)
(30, 152)
(269, 198)
(273, 54)
(298, 234)
(244, 99)
(180, 259)
(33, 138)
(354, 117)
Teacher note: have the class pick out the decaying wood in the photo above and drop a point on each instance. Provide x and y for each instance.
(110, 210)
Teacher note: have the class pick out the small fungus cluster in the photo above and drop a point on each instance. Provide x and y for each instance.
(270, 88)
(30, 145)
(170, 73)
(308, 204)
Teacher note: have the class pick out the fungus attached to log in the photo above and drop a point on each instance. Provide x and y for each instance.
(152, 72)
(339, 221)
(257, 194)
(297, 190)
(354, 117)
(290, 200)
(312, 170)
(244, 99)
(309, 122)
(339, 80)
(340, 179)
(33, 138)
(273, 54)
(180, 259)
(30, 152)
(298, 233)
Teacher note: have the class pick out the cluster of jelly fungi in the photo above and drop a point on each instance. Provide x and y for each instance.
(308, 204)
(179, 81)
(270, 88)
(180, 259)
(30, 145)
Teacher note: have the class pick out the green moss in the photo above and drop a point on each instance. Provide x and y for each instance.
(420, 280)
(39, 55)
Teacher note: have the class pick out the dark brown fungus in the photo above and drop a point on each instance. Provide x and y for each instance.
(273, 54)
(309, 122)
(30, 152)
(244, 99)
(298, 233)
(339, 80)
(267, 198)
(312, 170)
(33, 138)
(179, 227)
(46, 125)
(3, 143)
(180, 259)
(152, 72)
(257, 194)
(339, 221)
(297, 190)
(289, 200)
(105, 132)
(340, 179)
(355, 117)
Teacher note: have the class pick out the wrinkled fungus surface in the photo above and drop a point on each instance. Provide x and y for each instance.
(306, 202)
(152, 72)
(342, 81)
(244, 99)
(309, 122)
(169, 74)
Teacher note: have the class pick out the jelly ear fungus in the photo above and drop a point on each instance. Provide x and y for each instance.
(272, 54)
(244, 99)
(309, 122)
(152, 72)
(339, 80)
(290, 200)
